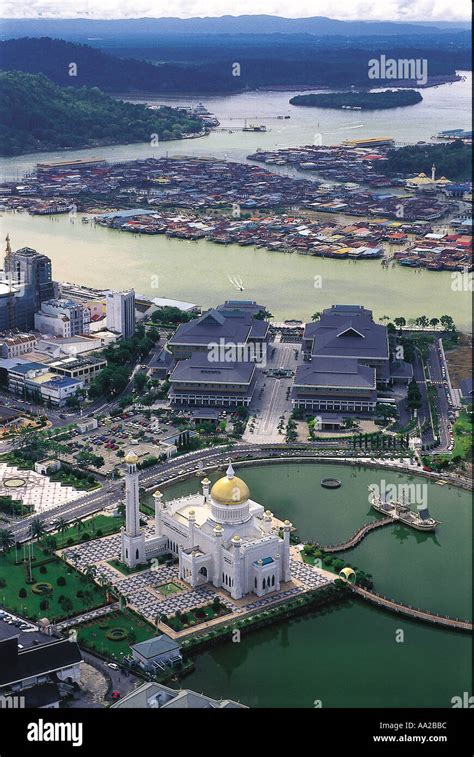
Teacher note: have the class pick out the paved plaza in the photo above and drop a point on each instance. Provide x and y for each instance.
(34, 489)
(140, 589)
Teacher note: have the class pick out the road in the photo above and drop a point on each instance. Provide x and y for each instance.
(435, 368)
(270, 399)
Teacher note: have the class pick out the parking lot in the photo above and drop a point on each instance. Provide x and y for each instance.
(28, 633)
(113, 437)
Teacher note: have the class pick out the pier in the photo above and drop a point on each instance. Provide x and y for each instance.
(412, 612)
(357, 537)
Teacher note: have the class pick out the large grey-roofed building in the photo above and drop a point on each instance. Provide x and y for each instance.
(198, 381)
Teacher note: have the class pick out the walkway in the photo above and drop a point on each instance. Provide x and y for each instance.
(412, 612)
(357, 537)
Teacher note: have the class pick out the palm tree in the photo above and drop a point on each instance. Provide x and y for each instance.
(7, 539)
(316, 316)
(37, 529)
(61, 525)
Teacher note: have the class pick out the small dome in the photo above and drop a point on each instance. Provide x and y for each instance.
(131, 458)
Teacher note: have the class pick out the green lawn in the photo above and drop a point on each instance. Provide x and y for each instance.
(125, 569)
(462, 430)
(168, 589)
(29, 606)
(69, 479)
(105, 524)
(93, 635)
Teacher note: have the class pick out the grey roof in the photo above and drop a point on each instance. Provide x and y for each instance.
(158, 695)
(335, 372)
(356, 336)
(401, 369)
(18, 665)
(212, 326)
(198, 368)
(155, 647)
(206, 413)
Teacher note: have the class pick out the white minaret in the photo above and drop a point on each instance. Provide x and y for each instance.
(158, 497)
(433, 172)
(133, 539)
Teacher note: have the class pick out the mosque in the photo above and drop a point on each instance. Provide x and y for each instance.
(220, 536)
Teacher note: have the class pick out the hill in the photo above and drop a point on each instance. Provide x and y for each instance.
(453, 160)
(37, 115)
(82, 28)
(205, 65)
(390, 98)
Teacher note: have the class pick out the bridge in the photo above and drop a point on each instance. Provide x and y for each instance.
(412, 612)
(357, 537)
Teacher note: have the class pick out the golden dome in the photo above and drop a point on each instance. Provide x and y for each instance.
(230, 489)
(131, 458)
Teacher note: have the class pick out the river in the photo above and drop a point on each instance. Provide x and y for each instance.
(200, 272)
(348, 655)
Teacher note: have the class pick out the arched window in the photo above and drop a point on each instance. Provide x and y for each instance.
(273, 581)
(255, 581)
(264, 583)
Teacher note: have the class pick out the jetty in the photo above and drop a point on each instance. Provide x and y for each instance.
(357, 537)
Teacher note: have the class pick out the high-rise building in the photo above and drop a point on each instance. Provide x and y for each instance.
(121, 312)
(28, 282)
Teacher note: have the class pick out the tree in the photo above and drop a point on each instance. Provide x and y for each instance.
(61, 525)
(22, 593)
(37, 529)
(434, 322)
(316, 316)
(7, 540)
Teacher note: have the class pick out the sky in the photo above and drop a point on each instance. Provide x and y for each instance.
(364, 10)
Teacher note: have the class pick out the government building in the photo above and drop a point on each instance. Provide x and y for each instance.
(219, 535)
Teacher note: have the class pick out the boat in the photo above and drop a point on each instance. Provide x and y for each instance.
(400, 511)
(254, 127)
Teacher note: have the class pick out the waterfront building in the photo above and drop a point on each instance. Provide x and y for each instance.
(158, 696)
(220, 536)
(226, 325)
(349, 331)
(347, 357)
(63, 318)
(28, 282)
(156, 654)
(120, 309)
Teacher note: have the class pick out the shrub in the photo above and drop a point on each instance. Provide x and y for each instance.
(3, 583)
(43, 569)
(44, 604)
(61, 581)
(22, 592)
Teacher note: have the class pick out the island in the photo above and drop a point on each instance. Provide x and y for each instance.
(390, 98)
(38, 115)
